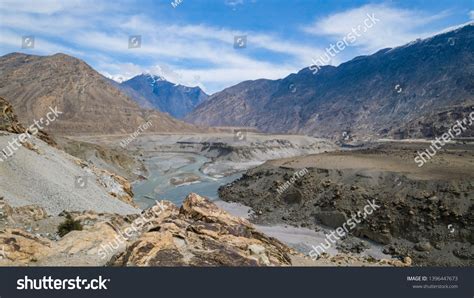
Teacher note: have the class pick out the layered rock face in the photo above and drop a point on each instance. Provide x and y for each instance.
(201, 234)
(197, 234)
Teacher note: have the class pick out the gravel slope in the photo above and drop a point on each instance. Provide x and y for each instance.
(47, 177)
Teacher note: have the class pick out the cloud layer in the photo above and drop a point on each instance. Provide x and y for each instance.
(193, 53)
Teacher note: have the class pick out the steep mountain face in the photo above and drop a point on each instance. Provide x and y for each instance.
(152, 91)
(381, 95)
(89, 102)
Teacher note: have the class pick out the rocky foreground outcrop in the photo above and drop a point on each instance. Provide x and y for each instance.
(197, 234)
(201, 234)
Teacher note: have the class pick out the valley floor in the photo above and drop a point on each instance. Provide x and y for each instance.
(202, 163)
(298, 190)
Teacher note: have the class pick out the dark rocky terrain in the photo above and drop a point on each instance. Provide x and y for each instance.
(426, 213)
(405, 92)
(88, 101)
(154, 92)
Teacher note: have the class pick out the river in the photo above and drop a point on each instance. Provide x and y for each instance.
(165, 172)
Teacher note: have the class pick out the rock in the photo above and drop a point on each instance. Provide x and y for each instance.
(21, 248)
(326, 183)
(197, 234)
(201, 234)
(353, 246)
(259, 252)
(31, 211)
(292, 197)
(407, 261)
(423, 246)
(116, 185)
(333, 219)
(9, 122)
(8, 119)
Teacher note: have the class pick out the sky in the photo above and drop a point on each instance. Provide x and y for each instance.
(215, 44)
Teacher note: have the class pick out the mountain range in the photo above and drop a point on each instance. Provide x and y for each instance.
(415, 90)
(154, 92)
(88, 101)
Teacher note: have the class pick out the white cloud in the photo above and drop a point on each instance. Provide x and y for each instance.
(471, 14)
(101, 38)
(104, 40)
(396, 26)
(11, 40)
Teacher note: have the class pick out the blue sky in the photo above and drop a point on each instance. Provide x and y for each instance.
(193, 43)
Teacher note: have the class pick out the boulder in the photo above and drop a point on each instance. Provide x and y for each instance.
(201, 234)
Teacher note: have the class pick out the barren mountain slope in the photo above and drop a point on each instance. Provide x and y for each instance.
(381, 95)
(37, 173)
(89, 102)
